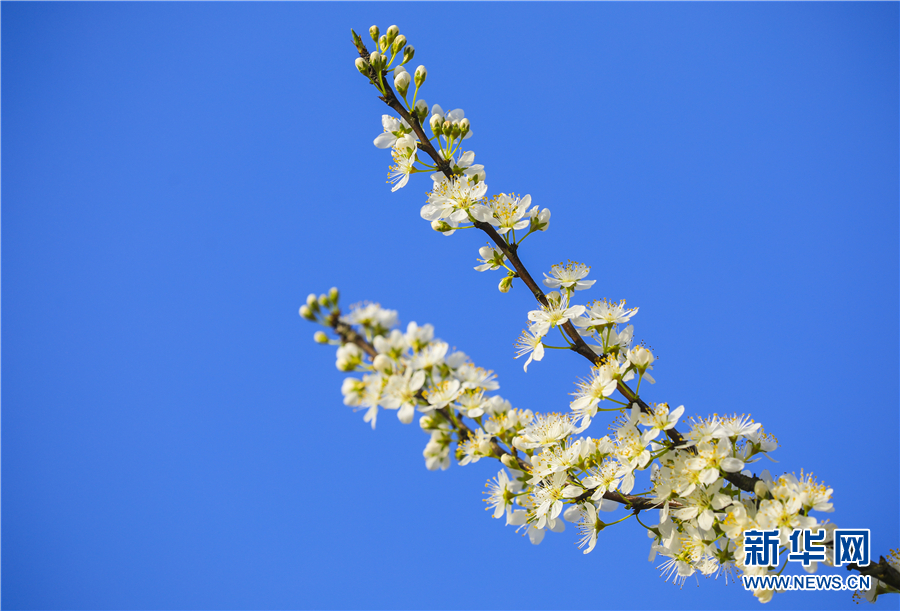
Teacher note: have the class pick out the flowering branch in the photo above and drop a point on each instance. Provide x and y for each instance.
(706, 497)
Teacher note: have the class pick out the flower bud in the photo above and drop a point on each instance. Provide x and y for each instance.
(377, 60)
(447, 128)
(506, 284)
(408, 53)
(401, 82)
(441, 226)
(374, 32)
(464, 127)
(362, 65)
(356, 39)
(421, 73)
(510, 461)
(333, 294)
(320, 338)
(323, 301)
(398, 43)
(436, 122)
(382, 362)
(760, 489)
(311, 302)
(306, 313)
(421, 110)
(383, 43)
(454, 129)
(392, 33)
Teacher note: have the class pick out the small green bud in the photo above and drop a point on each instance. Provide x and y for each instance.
(401, 82)
(421, 73)
(441, 226)
(408, 53)
(320, 338)
(377, 60)
(306, 313)
(392, 32)
(311, 302)
(356, 39)
(464, 126)
(398, 43)
(510, 461)
(374, 32)
(447, 128)
(334, 294)
(323, 301)
(506, 284)
(421, 110)
(454, 129)
(383, 43)
(362, 65)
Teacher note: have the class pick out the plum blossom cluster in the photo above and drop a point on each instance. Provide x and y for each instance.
(698, 485)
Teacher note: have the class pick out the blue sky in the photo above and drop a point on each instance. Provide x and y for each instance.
(177, 177)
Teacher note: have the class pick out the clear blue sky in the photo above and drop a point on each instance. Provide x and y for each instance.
(178, 176)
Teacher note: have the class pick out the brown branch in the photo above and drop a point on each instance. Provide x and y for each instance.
(882, 571)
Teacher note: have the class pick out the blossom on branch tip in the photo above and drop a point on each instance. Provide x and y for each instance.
(569, 276)
(556, 313)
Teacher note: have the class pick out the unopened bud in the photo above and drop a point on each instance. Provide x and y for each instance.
(306, 313)
(464, 127)
(510, 461)
(383, 43)
(377, 60)
(323, 301)
(436, 122)
(760, 489)
(408, 53)
(421, 73)
(447, 128)
(374, 32)
(421, 110)
(320, 338)
(505, 284)
(392, 33)
(311, 302)
(401, 82)
(382, 362)
(441, 226)
(398, 43)
(454, 129)
(333, 293)
(362, 65)
(356, 39)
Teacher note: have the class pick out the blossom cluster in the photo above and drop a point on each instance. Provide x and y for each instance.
(698, 482)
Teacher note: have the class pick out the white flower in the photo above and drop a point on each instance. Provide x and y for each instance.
(641, 358)
(443, 394)
(568, 275)
(475, 446)
(507, 212)
(502, 494)
(589, 526)
(453, 199)
(540, 219)
(401, 392)
(602, 313)
(473, 377)
(660, 419)
(530, 343)
(404, 154)
(600, 384)
(544, 431)
(491, 258)
(557, 313)
(393, 129)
